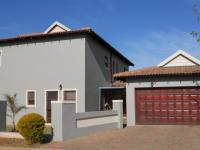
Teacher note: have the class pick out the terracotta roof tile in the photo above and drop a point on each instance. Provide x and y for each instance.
(30, 34)
(159, 71)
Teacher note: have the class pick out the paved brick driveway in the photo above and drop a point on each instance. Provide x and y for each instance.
(133, 138)
(138, 138)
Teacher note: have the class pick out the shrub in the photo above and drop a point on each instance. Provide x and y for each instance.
(31, 127)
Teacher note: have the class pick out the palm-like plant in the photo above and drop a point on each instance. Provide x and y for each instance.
(13, 108)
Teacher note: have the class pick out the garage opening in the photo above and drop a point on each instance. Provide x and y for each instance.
(112, 93)
(168, 105)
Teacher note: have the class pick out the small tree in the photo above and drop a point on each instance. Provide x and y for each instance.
(13, 108)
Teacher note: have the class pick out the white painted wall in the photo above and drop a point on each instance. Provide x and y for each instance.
(96, 121)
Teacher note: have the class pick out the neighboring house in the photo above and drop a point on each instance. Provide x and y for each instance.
(165, 94)
(59, 64)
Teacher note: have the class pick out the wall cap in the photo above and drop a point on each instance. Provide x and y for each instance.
(63, 102)
(117, 101)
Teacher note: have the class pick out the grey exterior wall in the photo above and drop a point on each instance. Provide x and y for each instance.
(170, 81)
(76, 62)
(64, 120)
(96, 74)
(43, 65)
(3, 115)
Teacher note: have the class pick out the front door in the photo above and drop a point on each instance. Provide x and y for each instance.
(50, 96)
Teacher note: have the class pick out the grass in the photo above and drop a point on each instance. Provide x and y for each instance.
(9, 128)
(48, 130)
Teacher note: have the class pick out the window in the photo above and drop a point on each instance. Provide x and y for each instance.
(69, 95)
(106, 61)
(113, 67)
(30, 98)
(117, 69)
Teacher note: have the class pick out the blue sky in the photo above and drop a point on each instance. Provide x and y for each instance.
(145, 31)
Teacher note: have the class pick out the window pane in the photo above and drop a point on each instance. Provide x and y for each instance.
(31, 98)
(106, 61)
(69, 95)
(31, 102)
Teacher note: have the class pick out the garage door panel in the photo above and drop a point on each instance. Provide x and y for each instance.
(168, 106)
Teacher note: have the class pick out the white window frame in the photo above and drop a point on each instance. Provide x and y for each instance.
(27, 105)
(72, 100)
(45, 102)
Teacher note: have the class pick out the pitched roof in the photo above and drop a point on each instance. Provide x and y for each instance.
(184, 59)
(83, 31)
(160, 71)
(180, 63)
(57, 24)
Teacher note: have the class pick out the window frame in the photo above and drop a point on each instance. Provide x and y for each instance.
(113, 66)
(65, 90)
(106, 62)
(28, 105)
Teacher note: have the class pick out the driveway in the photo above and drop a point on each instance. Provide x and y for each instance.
(139, 138)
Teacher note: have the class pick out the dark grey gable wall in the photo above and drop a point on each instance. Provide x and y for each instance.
(96, 74)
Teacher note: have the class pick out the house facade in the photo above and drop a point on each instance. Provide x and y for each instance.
(59, 64)
(168, 93)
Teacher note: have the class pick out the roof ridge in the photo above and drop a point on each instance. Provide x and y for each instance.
(160, 71)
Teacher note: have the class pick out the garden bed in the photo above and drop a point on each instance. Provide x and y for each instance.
(12, 142)
(14, 139)
(14, 135)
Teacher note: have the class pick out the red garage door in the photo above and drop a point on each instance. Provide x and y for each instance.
(168, 106)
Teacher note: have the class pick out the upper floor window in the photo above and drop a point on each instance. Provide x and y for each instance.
(117, 67)
(69, 95)
(113, 67)
(30, 98)
(106, 61)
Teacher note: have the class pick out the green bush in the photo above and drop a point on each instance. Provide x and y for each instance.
(31, 127)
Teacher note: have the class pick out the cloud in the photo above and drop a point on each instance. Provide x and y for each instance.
(155, 46)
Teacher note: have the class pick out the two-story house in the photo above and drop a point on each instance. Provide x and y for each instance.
(58, 64)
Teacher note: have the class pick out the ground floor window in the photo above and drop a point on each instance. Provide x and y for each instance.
(70, 95)
(31, 98)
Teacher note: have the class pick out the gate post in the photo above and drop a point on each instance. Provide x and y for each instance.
(118, 105)
(63, 119)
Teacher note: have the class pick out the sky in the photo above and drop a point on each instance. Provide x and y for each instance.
(145, 31)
